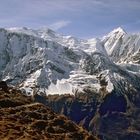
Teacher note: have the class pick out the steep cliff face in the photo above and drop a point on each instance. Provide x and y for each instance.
(26, 58)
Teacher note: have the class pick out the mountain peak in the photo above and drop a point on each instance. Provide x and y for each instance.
(119, 29)
(117, 32)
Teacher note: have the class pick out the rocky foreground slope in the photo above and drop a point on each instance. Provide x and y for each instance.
(23, 119)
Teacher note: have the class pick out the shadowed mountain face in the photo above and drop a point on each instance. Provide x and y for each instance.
(113, 103)
(22, 119)
(111, 117)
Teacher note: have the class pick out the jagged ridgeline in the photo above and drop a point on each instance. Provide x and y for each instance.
(98, 80)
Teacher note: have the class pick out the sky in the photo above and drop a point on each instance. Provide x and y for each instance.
(80, 18)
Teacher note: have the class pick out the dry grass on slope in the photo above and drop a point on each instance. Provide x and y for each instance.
(21, 119)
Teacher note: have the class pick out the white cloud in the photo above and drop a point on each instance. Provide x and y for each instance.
(59, 24)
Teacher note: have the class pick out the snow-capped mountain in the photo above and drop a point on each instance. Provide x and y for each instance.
(45, 60)
(122, 47)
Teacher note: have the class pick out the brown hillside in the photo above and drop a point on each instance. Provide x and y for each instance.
(21, 119)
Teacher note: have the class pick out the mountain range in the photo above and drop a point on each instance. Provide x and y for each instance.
(98, 78)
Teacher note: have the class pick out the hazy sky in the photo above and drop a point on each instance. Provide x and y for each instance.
(81, 18)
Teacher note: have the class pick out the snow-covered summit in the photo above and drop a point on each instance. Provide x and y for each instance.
(23, 30)
(122, 47)
(42, 59)
(117, 30)
(111, 40)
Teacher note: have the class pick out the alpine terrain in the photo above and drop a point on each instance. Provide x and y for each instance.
(94, 82)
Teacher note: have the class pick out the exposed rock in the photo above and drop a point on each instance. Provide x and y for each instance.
(34, 121)
(3, 86)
